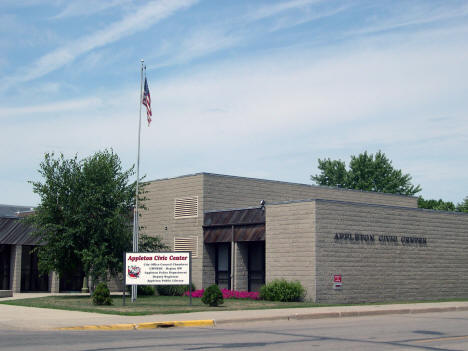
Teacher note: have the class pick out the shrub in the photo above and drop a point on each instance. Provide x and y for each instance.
(101, 295)
(145, 290)
(282, 290)
(173, 290)
(212, 296)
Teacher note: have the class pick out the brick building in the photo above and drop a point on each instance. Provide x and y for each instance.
(342, 245)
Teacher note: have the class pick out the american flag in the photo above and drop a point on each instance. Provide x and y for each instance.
(147, 102)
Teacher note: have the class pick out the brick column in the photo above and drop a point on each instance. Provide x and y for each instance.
(54, 282)
(15, 268)
(209, 259)
(241, 266)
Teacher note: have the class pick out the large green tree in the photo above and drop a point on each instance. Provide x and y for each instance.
(84, 216)
(366, 172)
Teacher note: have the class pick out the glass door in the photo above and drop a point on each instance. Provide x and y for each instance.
(256, 265)
(223, 265)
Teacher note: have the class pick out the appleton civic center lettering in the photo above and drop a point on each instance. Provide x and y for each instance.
(168, 268)
(383, 239)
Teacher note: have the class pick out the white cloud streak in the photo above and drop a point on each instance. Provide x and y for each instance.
(88, 7)
(274, 10)
(412, 17)
(61, 106)
(141, 19)
(290, 21)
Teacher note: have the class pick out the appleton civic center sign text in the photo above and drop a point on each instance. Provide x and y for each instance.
(158, 268)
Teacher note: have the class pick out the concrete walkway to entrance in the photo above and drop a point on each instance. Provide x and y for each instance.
(30, 318)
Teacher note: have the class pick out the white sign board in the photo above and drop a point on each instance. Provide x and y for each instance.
(158, 268)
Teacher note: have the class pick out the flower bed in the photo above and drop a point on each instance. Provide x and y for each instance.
(229, 294)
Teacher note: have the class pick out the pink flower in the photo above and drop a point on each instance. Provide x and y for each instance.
(229, 294)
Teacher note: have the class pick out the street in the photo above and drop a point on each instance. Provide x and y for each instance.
(425, 331)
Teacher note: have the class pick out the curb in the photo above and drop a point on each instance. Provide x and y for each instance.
(148, 325)
(343, 314)
(295, 316)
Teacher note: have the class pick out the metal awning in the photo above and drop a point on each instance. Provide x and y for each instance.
(234, 225)
(13, 231)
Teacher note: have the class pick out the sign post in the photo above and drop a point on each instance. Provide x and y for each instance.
(190, 279)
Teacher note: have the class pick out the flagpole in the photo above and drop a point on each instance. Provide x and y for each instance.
(135, 212)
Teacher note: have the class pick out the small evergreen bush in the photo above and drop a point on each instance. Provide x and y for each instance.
(282, 290)
(145, 290)
(101, 295)
(173, 290)
(212, 296)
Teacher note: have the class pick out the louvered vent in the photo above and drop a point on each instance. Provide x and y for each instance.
(187, 243)
(186, 207)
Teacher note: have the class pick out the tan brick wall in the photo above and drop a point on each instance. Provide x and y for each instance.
(290, 244)
(228, 192)
(160, 214)
(373, 271)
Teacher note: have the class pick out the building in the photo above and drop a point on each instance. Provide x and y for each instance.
(18, 260)
(342, 245)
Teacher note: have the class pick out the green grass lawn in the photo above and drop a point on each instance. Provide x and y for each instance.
(146, 305)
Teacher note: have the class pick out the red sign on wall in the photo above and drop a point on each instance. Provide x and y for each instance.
(337, 278)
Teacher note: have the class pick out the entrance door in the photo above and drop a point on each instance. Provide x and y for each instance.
(256, 265)
(223, 265)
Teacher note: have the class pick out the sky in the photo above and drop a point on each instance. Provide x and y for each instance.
(248, 88)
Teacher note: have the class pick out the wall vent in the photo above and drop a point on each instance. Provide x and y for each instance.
(186, 243)
(186, 207)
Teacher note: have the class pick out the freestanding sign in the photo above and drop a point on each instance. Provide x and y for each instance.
(158, 268)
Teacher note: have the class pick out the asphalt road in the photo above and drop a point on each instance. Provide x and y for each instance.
(426, 331)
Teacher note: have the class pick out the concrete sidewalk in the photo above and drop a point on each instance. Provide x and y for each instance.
(29, 318)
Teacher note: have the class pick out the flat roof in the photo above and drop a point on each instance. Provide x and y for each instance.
(281, 182)
(365, 204)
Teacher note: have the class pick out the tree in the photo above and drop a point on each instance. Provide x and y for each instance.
(84, 215)
(463, 206)
(366, 172)
(148, 243)
(439, 205)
